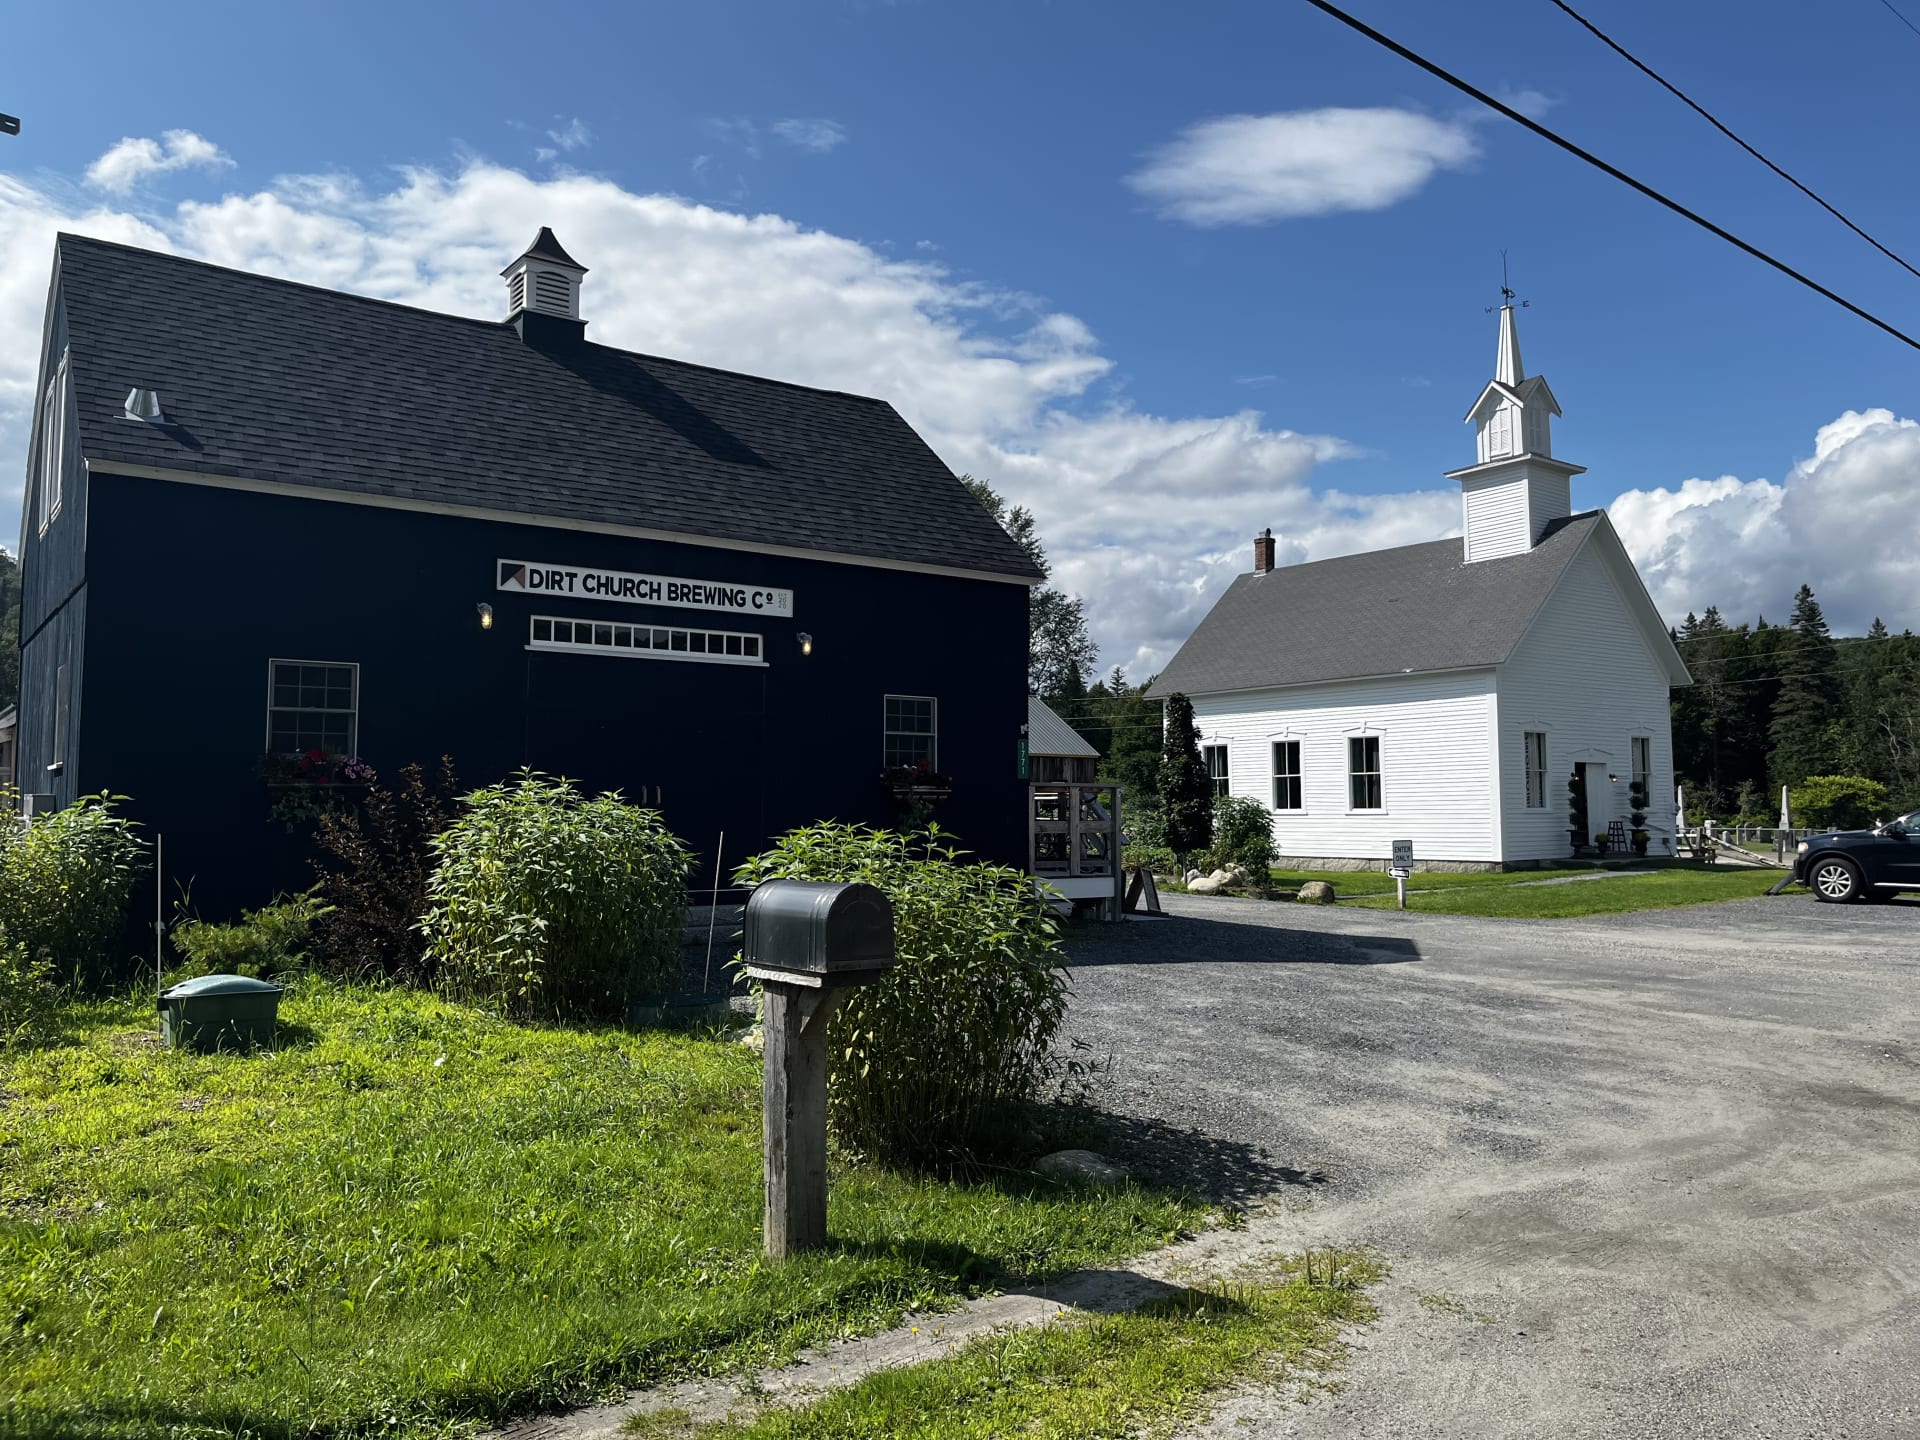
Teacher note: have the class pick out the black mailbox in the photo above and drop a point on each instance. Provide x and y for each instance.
(809, 933)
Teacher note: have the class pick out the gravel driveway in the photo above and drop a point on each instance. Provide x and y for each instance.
(1637, 1175)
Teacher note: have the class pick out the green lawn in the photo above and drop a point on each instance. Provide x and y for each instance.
(414, 1216)
(1084, 1377)
(1378, 882)
(1509, 896)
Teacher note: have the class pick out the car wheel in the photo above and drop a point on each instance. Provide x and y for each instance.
(1835, 880)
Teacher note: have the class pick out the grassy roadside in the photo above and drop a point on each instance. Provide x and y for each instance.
(1516, 899)
(1378, 882)
(414, 1215)
(1083, 1377)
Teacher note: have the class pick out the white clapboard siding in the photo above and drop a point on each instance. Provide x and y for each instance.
(1495, 515)
(1438, 775)
(1587, 677)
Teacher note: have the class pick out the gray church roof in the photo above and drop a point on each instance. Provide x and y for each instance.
(1407, 610)
(269, 380)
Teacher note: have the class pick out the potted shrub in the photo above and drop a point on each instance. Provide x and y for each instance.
(1600, 842)
(1637, 815)
(1577, 810)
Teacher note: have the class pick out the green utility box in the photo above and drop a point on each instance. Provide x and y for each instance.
(219, 1012)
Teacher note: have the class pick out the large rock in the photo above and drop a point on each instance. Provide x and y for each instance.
(1214, 883)
(1080, 1165)
(1315, 892)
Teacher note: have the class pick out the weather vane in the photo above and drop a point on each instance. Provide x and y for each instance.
(1506, 289)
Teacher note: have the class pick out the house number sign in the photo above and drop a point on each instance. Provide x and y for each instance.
(531, 577)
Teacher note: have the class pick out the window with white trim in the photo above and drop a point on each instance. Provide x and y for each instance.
(646, 642)
(1643, 763)
(1218, 774)
(1535, 744)
(1363, 773)
(53, 444)
(912, 732)
(1286, 775)
(313, 705)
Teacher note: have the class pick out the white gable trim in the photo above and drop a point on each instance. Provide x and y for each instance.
(545, 522)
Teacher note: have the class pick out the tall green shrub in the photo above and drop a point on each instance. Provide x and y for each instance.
(546, 903)
(27, 993)
(1186, 791)
(66, 882)
(1243, 835)
(1839, 802)
(936, 1059)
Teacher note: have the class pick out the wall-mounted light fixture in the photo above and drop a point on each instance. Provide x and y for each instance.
(485, 612)
(806, 643)
(1612, 779)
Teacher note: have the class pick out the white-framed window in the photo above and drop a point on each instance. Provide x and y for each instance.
(1364, 791)
(912, 732)
(1643, 763)
(313, 705)
(1218, 773)
(644, 642)
(53, 444)
(1535, 745)
(1286, 775)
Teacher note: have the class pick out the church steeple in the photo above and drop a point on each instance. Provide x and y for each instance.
(1515, 489)
(1506, 367)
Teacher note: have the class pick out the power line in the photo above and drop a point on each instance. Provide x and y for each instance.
(1706, 115)
(1594, 160)
(1901, 18)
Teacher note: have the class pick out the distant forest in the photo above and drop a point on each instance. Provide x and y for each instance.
(1771, 705)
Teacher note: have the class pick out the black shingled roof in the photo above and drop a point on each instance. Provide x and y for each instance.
(1413, 608)
(266, 379)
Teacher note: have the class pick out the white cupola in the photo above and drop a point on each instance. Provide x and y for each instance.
(544, 280)
(1515, 489)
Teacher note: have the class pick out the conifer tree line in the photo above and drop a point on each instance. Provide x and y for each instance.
(1771, 705)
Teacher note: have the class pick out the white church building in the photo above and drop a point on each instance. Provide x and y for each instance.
(1447, 693)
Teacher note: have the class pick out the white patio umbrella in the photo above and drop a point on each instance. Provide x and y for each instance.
(1679, 809)
(1786, 810)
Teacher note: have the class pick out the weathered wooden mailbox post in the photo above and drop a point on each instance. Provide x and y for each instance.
(808, 944)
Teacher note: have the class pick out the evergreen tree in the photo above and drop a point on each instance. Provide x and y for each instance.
(9, 631)
(1805, 711)
(1186, 792)
(1057, 638)
(1134, 726)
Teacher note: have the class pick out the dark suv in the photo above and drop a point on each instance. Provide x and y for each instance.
(1862, 864)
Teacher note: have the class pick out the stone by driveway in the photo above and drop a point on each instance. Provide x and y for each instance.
(1638, 1175)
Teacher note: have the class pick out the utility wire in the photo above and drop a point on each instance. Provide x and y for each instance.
(1707, 116)
(1594, 160)
(1901, 18)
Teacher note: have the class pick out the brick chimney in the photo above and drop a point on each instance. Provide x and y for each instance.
(1263, 552)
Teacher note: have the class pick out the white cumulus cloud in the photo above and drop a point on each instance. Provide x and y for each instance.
(134, 159)
(819, 136)
(1252, 169)
(1146, 515)
(1841, 521)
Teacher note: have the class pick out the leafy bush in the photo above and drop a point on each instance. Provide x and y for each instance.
(546, 903)
(1242, 835)
(374, 866)
(263, 943)
(27, 993)
(66, 882)
(1157, 858)
(936, 1059)
(1839, 802)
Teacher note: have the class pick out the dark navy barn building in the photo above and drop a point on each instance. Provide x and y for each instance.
(263, 518)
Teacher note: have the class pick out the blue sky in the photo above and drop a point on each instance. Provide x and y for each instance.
(1015, 238)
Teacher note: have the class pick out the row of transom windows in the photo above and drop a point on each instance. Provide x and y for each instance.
(1366, 778)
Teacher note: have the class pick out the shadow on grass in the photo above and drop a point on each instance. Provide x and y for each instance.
(1204, 940)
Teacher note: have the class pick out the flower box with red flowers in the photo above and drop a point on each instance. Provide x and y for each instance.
(917, 782)
(306, 783)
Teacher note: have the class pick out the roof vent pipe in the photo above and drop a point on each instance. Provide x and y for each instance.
(145, 405)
